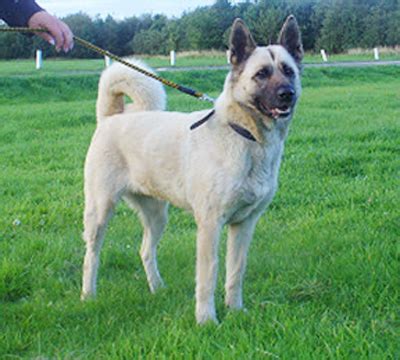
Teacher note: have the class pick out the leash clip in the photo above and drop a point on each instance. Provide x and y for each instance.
(205, 97)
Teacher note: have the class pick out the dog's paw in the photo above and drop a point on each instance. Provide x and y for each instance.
(207, 320)
(206, 316)
(234, 303)
(87, 296)
(156, 285)
(234, 310)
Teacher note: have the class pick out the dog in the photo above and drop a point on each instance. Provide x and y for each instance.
(220, 165)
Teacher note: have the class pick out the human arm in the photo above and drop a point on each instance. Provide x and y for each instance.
(28, 13)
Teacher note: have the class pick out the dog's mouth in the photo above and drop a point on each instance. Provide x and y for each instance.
(275, 113)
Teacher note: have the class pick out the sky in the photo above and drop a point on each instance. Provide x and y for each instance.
(120, 9)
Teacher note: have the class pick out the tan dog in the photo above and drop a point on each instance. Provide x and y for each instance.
(224, 171)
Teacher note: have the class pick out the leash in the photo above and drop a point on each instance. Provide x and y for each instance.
(186, 90)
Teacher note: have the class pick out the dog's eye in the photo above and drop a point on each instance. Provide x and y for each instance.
(287, 70)
(264, 73)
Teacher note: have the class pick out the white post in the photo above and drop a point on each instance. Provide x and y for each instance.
(173, 57)
(228, 56)
(323, 54)
(39, 59)
(376, 53)
(107, 61)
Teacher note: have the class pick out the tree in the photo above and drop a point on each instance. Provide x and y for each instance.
(265, 20)
(374, 33)
(15, 46)
(393, 27)
(205, 26)
(337, 27)
(126, 31)
(84, 27)
(174, 36)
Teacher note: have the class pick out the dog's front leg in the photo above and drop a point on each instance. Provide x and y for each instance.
(206, 269)
(239, 238)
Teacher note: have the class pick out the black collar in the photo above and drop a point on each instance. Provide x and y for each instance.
(242, 131)
(235, 127)
(203, 120)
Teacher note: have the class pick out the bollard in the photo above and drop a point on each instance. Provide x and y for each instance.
(323, 54)
(107, 61)
(173, 58)
(39, 59)
(228, 56)
(376, 53)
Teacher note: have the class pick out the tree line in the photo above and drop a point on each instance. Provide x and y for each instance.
(334, 25)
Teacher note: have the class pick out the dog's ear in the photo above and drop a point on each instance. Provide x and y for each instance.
(241, 43)
(290, 38)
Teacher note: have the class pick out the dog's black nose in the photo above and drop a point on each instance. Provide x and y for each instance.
(286, 94)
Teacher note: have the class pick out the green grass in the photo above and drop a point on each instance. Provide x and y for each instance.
(323, 270)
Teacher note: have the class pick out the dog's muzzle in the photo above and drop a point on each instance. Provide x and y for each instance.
(281, 106)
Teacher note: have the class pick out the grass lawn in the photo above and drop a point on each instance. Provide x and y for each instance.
(323, 271)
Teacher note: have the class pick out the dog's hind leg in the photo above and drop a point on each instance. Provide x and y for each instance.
(97, 213)
(239, 238)
(154, 215)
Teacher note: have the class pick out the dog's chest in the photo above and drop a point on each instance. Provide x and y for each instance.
(258, 183)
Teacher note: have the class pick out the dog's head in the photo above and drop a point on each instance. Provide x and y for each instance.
(266, 79)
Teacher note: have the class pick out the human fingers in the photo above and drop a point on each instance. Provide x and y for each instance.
(43, 19)
(68, 37)
(47, 37)
(56, 31)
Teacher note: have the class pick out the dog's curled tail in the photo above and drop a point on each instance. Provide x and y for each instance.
(118, 80)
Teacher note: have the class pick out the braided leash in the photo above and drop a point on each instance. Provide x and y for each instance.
(197, 94)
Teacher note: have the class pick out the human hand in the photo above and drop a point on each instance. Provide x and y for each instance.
(59, 34)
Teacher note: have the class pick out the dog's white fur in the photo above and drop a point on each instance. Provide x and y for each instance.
(150, 157)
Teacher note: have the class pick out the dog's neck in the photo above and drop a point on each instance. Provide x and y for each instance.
(231, 112)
